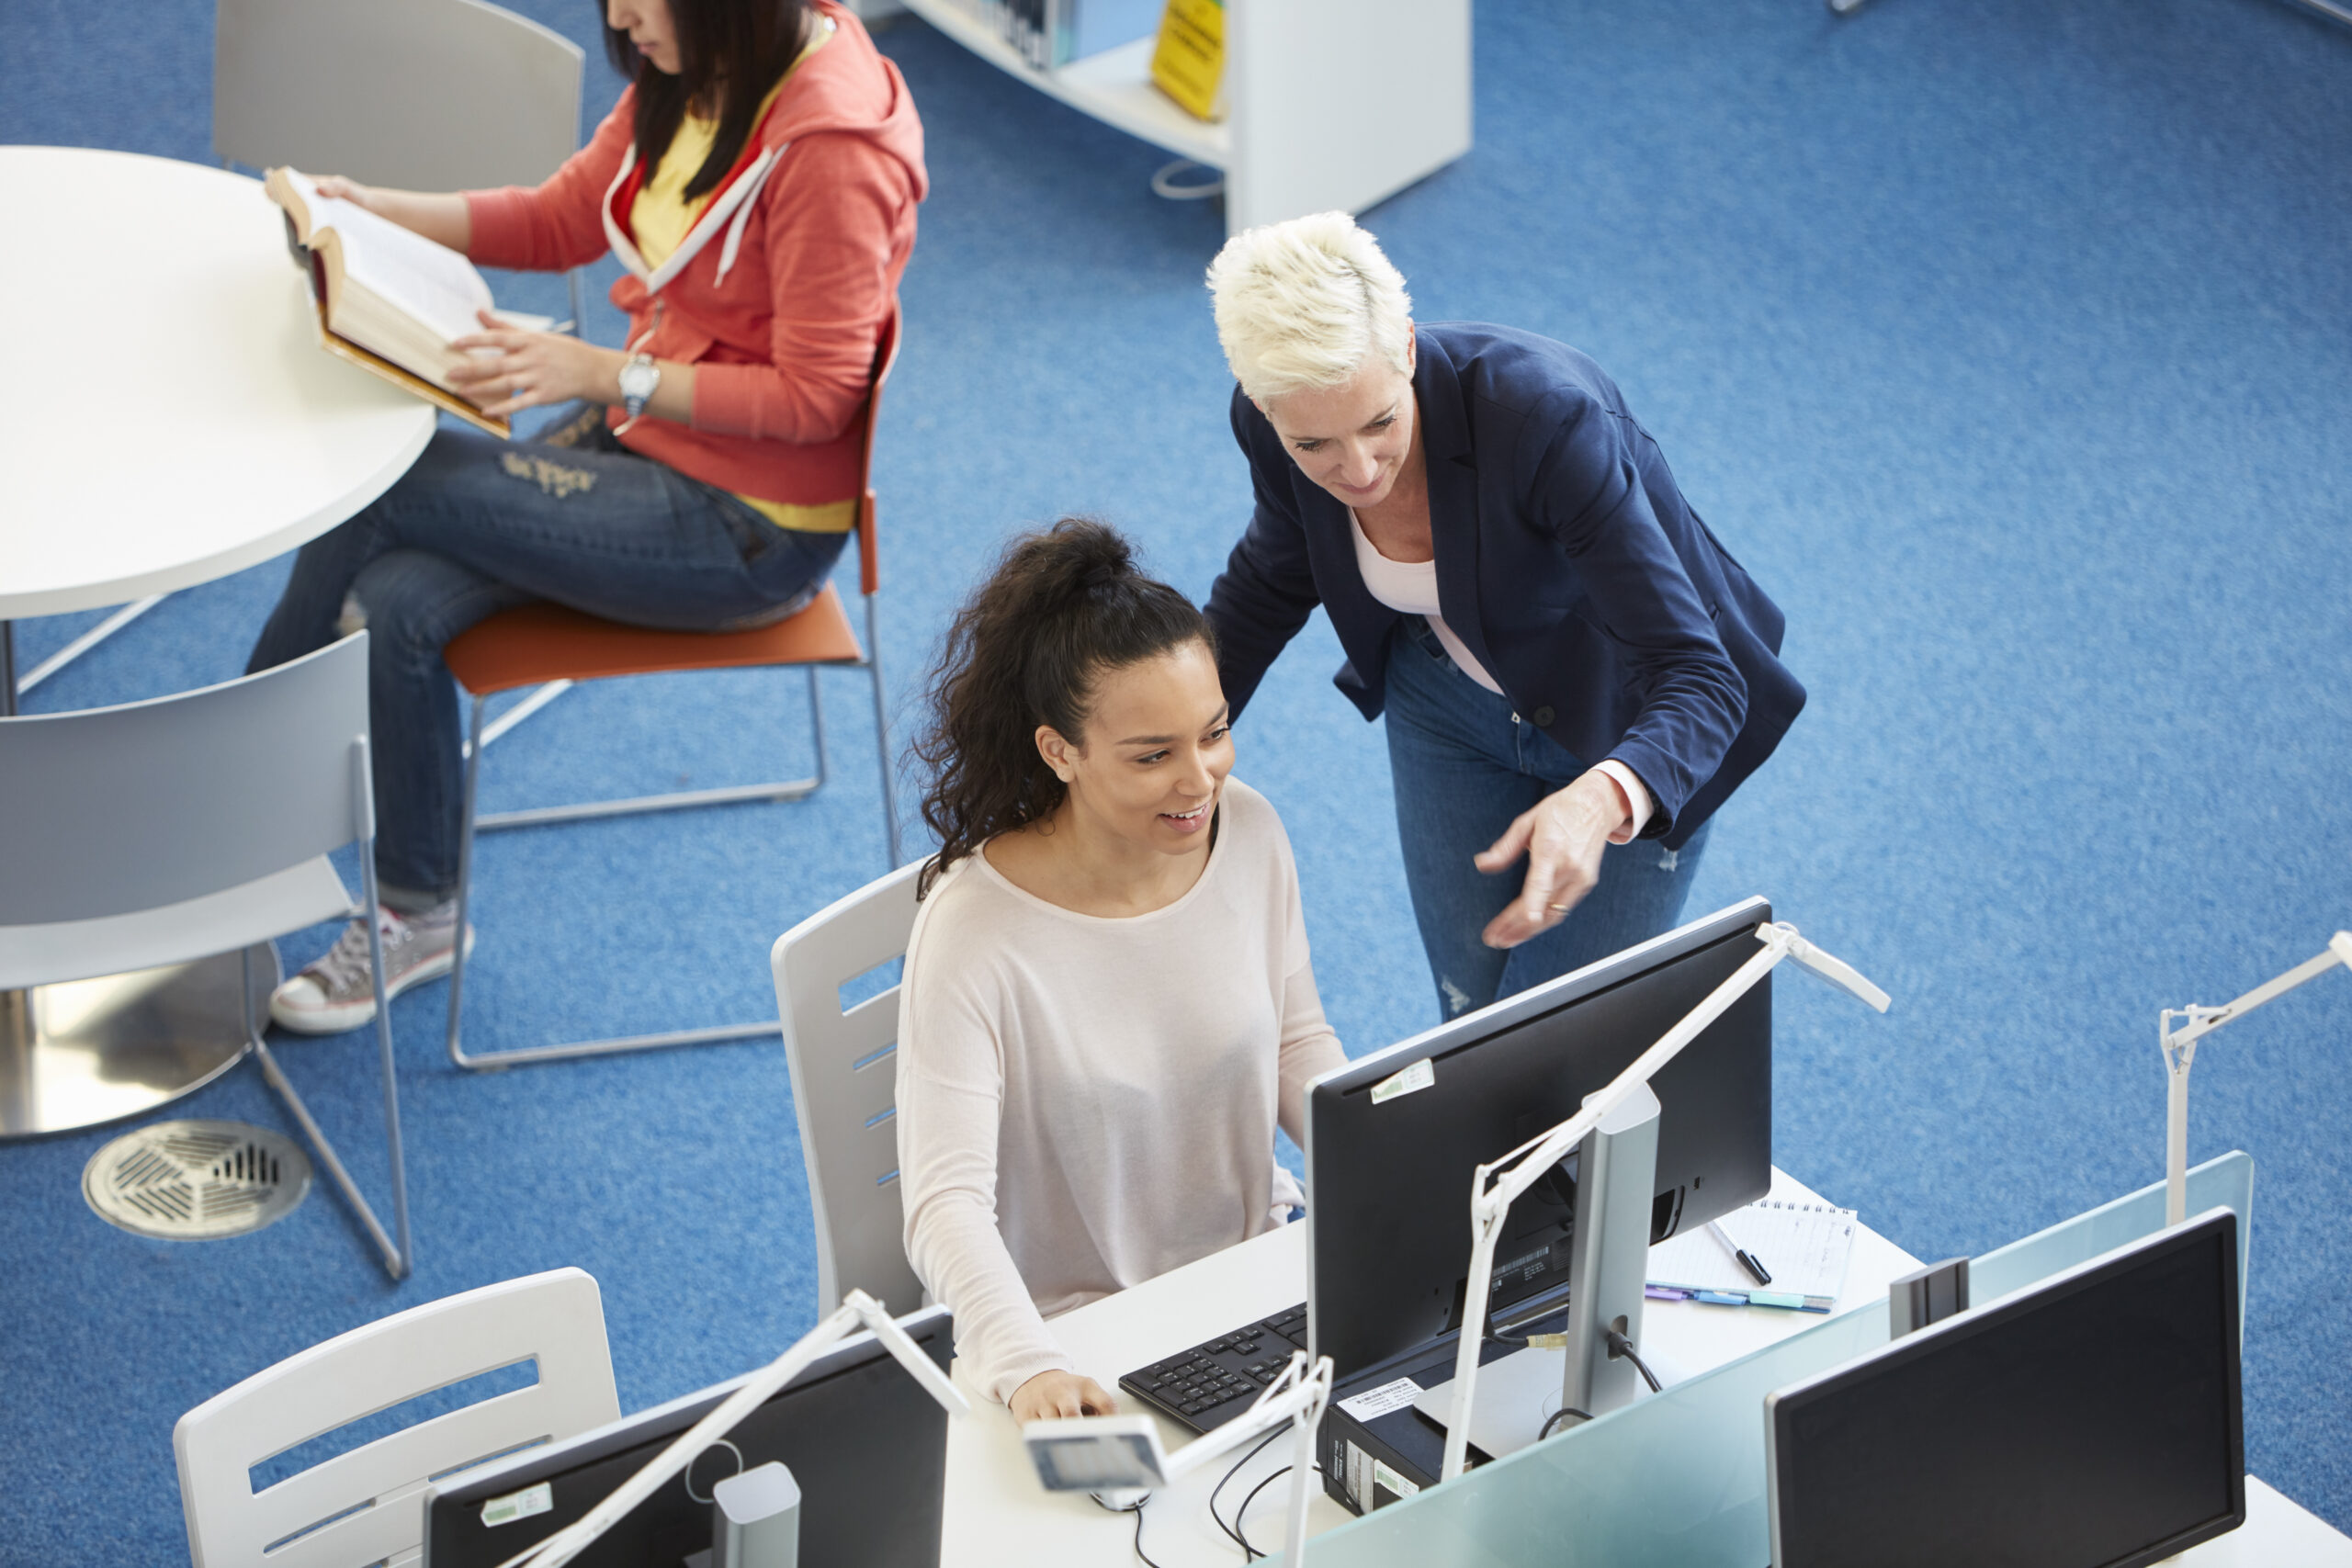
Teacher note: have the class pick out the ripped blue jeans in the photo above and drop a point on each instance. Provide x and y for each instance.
(478, 525)
(1466, 766)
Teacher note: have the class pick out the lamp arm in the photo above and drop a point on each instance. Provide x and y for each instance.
(1835, 970)
(2179, 1048)
(1485, 1225)
(908, 1354)
(1525, 1165)
(2340, 951)
(1495, 1187)
(1273, 1408)
(857, 1310)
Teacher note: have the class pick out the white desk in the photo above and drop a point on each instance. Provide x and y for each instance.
(178, 420)
(169, 419)
(997, 1514)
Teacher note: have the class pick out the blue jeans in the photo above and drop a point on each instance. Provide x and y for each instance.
(1465, 767)
(478, 525)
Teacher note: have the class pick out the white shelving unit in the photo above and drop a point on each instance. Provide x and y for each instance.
(1331, 103)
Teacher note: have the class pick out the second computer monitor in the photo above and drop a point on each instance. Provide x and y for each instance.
(865, 1442)
(2094, 1420)
(1393, 1139)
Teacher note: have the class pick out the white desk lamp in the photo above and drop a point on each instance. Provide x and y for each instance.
(1497, 1185)
(857, 1311)
(2179, 1046)
(1122, 1453)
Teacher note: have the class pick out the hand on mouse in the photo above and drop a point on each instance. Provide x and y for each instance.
(1051, 1394)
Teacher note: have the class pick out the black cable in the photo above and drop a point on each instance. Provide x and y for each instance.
(1136, 1508)
(1553, 1419)
(1148, 1562)
(1620, 1345)
(1242, 1535)
(1231, 1533)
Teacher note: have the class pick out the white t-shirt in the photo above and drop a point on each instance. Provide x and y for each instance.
(1086, 1102)
(1410, 587)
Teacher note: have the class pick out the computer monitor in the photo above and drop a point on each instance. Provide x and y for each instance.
(867, 1444)
(2092, 1421)
(1389, 1169)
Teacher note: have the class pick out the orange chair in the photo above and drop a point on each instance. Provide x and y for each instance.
(552, 646)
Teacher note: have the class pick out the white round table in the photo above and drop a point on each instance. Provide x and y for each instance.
(166, 417)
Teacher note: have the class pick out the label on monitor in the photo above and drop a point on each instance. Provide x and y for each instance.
(1380, 1401)
(1421, 1075)
(520, 1505)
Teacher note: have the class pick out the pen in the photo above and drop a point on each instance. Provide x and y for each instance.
(1747, 1259)
(1764, 1299)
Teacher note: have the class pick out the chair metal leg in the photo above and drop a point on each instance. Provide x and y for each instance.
(541, 697)
(399, 1260)
(816, 726)
(468, 823)
(396, 1263)
(882, 731)
(465, 885)
(725, 794)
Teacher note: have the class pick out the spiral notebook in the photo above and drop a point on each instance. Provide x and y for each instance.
(1805, 1248)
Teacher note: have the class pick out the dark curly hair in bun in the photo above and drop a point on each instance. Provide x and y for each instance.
(1063, 605)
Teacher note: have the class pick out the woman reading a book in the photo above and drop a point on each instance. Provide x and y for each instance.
(1108, 1004)
(758, 181)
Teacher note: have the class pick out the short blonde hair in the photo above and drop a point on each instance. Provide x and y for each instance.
(1305, 303)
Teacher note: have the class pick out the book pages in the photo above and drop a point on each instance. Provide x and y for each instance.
(429, 281)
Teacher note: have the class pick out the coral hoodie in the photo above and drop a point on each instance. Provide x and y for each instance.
(778, 295)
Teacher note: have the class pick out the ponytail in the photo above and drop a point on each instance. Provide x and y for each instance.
(1026, 648)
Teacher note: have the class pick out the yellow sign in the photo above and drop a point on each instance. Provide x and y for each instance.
(1189, 64)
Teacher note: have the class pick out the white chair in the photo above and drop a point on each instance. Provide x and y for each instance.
(844, 1081)
(162, 831)
(433, 95)
(425, 94)
(367, 1505)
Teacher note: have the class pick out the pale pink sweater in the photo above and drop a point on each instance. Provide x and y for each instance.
(1085, 1103)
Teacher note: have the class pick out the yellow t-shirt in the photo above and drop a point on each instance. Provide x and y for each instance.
(660, 220)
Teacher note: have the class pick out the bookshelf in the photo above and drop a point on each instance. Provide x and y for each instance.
(1331, 103)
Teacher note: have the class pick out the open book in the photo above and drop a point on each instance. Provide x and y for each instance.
(389, 299)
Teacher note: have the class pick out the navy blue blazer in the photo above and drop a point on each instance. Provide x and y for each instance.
(1568, 562)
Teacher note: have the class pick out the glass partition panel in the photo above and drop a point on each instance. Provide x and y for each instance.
(1677, 1479)
(2223, 1184)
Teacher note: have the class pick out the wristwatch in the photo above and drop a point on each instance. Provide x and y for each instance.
(639, 378)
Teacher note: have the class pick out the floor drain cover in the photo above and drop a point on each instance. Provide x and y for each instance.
(196, 1180)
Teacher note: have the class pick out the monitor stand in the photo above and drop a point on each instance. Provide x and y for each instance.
(1616, 1174)
(1617, 1171)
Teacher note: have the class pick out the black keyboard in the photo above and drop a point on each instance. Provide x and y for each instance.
(1204, 1387)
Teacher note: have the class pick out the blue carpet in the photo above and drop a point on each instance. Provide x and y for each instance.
(2004, 343)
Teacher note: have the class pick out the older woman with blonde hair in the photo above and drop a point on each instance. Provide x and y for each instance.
(1573, 670)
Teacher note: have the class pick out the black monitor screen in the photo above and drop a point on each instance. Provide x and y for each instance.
(2091, 1422)
(867, 1444)
(1389, 1174)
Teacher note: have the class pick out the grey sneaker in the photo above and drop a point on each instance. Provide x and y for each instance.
(336, 992)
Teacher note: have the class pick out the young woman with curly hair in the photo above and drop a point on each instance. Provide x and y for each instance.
(1108, 1005)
